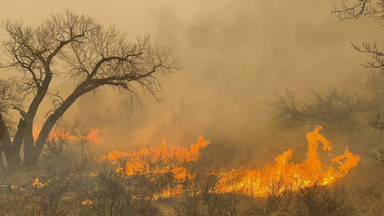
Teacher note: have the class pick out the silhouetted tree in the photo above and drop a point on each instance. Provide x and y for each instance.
(333, 109)
(75, 47)
(372, 9)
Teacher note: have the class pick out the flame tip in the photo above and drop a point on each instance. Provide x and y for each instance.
(288, 175)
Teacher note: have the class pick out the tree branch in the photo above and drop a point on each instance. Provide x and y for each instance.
(61, 45)
(22, 112)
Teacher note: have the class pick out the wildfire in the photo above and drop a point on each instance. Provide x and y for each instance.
(92, 136)
(37, 183)
(163, 159)
(287, 176)
(276, 179)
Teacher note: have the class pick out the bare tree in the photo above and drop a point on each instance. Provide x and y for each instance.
(372, 9)
(354, 9)
(333, 109)
(77, 47)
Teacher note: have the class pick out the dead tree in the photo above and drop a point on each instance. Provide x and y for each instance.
(372, 9)
(334, 109)
(78, 48)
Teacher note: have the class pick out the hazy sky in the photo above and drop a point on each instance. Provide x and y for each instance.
(234, 54)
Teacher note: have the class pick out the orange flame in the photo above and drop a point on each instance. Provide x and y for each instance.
(163, 159)
(92, 136)
(282, 177)
(287, 176)
(37, 183)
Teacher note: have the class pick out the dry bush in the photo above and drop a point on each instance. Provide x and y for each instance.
(277, 202)
(49, 198)
(14, 202)
(118, 195)
(321, 201)
(200, 198)
(109, 193)
(315, 200)
(367, 198)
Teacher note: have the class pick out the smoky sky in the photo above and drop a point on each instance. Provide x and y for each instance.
(234, 56)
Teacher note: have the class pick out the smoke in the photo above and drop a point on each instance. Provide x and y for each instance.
(234, 55)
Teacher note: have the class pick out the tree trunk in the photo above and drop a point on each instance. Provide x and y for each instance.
(33, 150)
(31, 154)
(12, 153)
(12, 157)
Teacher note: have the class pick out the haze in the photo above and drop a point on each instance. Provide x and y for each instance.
(234, 56)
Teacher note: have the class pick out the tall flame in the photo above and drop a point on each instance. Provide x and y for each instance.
(276, 179)
(287, 176)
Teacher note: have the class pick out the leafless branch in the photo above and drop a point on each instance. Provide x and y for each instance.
(333, 109)
(352, 11)
(91, 55)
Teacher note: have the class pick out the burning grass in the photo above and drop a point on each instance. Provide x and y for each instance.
(163, 181)
(63, 134)
(288, 176)
(275, 179)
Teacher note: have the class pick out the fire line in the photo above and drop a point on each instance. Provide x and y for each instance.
(283, 176)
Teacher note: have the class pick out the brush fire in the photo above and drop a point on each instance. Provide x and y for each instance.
(81, 123)
(91, 136)
(281, 177)
(169, 178)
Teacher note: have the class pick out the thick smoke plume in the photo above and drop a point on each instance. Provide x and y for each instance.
(234, 57)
